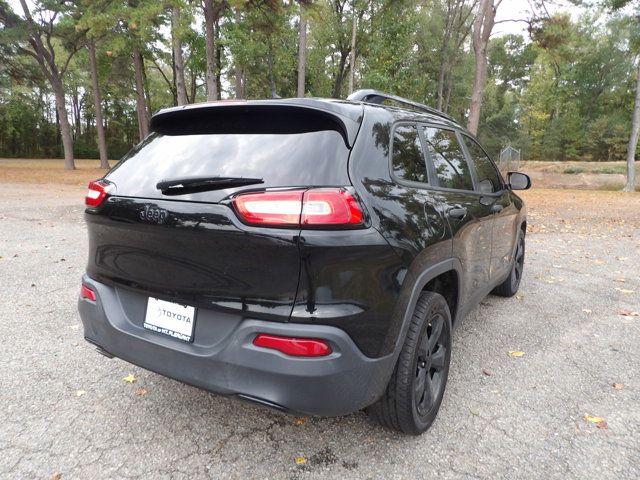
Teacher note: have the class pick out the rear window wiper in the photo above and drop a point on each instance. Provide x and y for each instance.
(183, 186)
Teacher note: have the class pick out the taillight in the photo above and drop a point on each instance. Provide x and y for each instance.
(97, 192)
(297, 347)
(330, 206)
(270, 208)
(86, 292)
(315, 207)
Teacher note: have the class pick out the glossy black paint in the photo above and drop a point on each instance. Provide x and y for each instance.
(415, 221)
(363, 281)
(200, 255)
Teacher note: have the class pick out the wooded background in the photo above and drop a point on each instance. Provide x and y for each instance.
(81, 78)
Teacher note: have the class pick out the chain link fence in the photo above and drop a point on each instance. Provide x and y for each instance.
(509, 160)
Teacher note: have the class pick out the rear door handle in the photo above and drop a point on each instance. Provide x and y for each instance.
(497, 208)
(457, 213)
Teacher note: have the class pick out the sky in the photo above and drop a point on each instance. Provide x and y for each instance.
(520, 9)
(508, 10)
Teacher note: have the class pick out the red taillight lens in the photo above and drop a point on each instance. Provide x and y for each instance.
(97, 192)
(270, 208)
(330, 206)
(86, 292)
(314, 207)
(296, 347)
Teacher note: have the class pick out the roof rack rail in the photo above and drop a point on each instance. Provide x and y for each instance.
(376, 97)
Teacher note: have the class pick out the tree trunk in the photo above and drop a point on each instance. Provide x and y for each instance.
(210, 45)
(181, 87)
(75, 110)
(272, 80)
(97, 101)
(141, 107)
(147, 91)
(65, 128)
(482, 26)
(239, 81)
(45, 56)
(302, 52)
(352, 60)
(218, 60)
(633, 139)
(337, 87)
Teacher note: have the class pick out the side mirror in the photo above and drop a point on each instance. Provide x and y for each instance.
(518, 181)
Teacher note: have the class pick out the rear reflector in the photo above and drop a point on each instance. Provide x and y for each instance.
(97, 192)
(86, 292)
(313, 207)
(296, 347)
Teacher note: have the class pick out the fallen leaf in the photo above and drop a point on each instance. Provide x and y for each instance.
(629, 313)
(618, 386)
(603, 424)
(130, 378)
(80, 393)
(586, 310)
(299, 421)
(516, 353)
(301, 460)
(624, 290)
(141, 392)
(56, 476)
(620, 280)
(487, 372)
(594, 420)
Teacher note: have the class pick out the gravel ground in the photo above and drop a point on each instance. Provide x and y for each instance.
(66, 410)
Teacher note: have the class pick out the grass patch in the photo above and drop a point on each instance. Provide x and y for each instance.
(613, 187)
(611, 170)
(49, 171)
(574, 170)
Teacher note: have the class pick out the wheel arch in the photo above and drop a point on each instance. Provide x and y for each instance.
(439, 275)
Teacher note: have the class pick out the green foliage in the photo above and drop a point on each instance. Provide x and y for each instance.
(564, 92)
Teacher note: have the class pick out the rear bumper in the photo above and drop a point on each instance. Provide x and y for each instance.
(223, 359)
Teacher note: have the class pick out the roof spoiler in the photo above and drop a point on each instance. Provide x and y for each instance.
(260, 116)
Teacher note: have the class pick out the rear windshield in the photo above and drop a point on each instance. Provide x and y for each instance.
(281, 160)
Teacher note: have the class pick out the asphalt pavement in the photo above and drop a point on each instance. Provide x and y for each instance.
(66, 410)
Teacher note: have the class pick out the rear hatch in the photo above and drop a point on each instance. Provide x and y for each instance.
(185, 243)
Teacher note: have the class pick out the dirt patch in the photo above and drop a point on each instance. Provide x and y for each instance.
(582, 211)
(581, 175)
(27, 170)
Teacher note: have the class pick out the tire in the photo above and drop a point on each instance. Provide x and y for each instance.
(510, 286)
(413, 396)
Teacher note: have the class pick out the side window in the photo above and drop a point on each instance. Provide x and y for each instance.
(450, 164)
(488, 177)
(407, 156)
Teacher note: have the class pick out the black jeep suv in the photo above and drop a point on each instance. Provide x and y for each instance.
(308, 255)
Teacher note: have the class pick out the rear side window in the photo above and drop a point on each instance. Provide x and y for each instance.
(488, 177)
(407, 155)
(451, 167)
(280, 159)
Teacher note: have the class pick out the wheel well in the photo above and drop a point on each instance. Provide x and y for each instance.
(446, 284)
(523, 227)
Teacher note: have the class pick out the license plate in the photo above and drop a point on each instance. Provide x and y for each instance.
(170, 318)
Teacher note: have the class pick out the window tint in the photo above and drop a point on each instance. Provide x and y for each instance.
(488, 177)
(450, 164)
(281, 160)
(408, 158)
